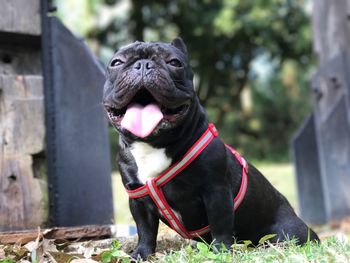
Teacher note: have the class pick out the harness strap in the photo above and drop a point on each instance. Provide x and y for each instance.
(152, 187)
(172, 218)
(244, 183)
(176, 168)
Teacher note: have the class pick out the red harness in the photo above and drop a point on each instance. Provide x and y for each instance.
(152, 187)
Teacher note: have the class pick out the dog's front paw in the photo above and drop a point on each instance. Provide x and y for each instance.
(221, 246)
(141, 252)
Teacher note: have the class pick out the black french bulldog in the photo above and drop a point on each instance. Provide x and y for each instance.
(150, 100)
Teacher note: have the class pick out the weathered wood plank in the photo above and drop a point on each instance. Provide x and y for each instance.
(20, 16)
(17, 60)
(23, 237)
(23, 194)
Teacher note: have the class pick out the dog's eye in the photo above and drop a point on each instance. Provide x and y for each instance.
(116, 62)
(175, 63)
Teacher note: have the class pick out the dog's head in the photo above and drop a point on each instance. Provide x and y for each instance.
(149, 88)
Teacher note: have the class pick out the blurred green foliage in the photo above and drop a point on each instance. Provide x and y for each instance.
(252, 59)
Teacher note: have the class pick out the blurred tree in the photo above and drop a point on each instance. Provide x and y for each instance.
(255, 53)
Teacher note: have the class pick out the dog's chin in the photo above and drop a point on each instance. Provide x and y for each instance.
(173, 115)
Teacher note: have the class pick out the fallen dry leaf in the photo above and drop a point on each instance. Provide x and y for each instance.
(89, 251)
(345, 225)
(61, 257)
(33, 245)
(49, 245)
(83, 260)
(15, 252)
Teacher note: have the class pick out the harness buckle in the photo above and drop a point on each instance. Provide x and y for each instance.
(213, 129)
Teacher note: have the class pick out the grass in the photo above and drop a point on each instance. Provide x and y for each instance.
(332, 249)
(122, 213)
(177, 250)
(280, 175)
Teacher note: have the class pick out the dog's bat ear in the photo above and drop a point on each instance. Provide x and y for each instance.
(179, 44)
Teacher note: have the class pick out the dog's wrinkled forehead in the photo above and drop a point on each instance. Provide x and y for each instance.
(144, 50)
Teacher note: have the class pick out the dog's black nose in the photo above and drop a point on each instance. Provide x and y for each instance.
(144, 65)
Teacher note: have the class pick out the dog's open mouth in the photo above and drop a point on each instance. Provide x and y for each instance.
(143, 114)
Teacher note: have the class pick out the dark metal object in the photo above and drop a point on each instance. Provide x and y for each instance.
(26, 40)
(322, 147)
(79, 168)
(309, 179)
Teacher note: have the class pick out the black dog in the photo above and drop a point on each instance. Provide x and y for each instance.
(150, 100)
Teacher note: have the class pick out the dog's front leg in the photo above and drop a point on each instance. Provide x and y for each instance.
(147, 222)
(219, 207)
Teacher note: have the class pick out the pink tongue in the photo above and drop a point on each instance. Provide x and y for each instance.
(142, 120)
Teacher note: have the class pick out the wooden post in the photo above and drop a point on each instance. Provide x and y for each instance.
(331, 28)
(51, 116)
(23, 187)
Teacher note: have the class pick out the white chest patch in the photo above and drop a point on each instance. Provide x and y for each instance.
(150, 161)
